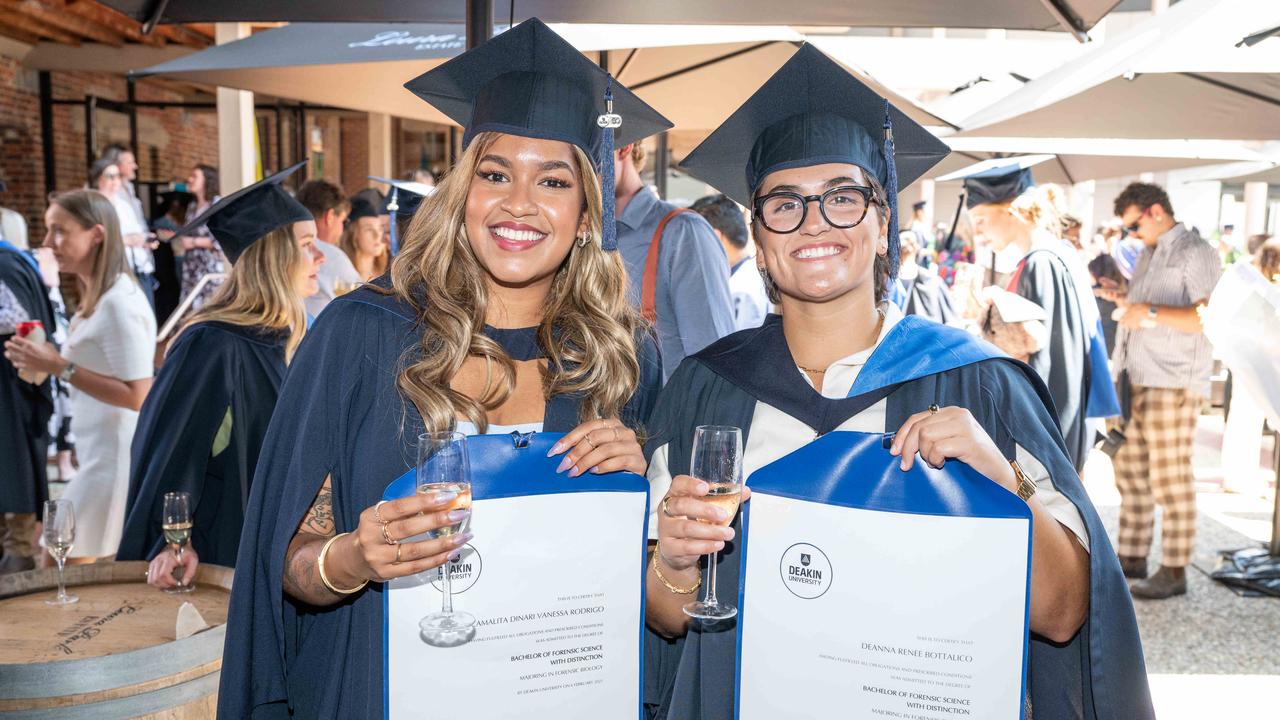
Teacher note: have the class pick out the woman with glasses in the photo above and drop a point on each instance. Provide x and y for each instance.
(812, 154)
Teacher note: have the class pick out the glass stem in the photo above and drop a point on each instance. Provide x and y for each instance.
(62, 581)
(446, 583)
(177, 570)
(710, 599)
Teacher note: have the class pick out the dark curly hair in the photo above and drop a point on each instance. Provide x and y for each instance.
(1143, 195)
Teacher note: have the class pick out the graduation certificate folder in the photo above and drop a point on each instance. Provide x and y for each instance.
(554, 578)
(868, 592)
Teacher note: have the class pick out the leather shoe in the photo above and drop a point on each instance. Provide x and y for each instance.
(1134, 567)
(1166, 583)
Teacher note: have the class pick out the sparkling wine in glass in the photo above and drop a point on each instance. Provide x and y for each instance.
(444, 467)
(717, 461)
(59, 536)
(176, 524)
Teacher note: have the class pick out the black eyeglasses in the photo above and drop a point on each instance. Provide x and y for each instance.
(1133, 229)
(842, 207)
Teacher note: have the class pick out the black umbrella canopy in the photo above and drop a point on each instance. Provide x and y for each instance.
(1074, 16)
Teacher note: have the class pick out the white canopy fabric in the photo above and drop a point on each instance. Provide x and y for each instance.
(1178, 75)
(695, 75)
(1074, 16)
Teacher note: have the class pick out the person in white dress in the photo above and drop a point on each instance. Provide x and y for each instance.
(107, 361)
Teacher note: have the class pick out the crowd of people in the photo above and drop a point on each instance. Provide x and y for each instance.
(542, 286)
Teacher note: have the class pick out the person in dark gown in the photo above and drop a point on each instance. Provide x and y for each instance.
(25, 409)
(813, 154)
(201, 427)
(506, 306)
(926, 294)
(1008, 209)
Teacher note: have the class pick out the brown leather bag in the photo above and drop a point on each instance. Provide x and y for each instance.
(649, 287)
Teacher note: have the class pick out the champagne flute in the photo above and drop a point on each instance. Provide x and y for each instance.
(59, 536)
(177, 524)
(717, 461)
(444, 467)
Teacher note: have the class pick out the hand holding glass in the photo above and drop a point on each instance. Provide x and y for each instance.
(717, 461)
(444, 467)
(176, 524)
(59, 536)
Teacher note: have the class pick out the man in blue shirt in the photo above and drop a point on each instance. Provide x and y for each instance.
(678, 270)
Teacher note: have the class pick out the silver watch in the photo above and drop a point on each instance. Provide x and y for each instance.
(67, 372)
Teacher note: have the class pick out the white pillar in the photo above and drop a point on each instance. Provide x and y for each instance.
(380, 144)
(1255, 208)
(237, 155)
(927, 192)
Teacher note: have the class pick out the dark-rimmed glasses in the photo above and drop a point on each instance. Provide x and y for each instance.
(842, 207)
(1132, 229)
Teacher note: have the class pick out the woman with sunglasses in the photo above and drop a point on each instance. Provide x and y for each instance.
(812, 154)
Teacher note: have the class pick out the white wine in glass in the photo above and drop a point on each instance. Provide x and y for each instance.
(717, 461)
(444, 466)
(176, 524)
(59, 536)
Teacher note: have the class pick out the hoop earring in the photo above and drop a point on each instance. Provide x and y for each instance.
(582, 240)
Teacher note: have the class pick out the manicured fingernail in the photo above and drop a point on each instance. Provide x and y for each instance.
(463, 539)
(565, 464)
(575, 472)
(456, 515)
(722, 513)
(729, 535)
(903, 464)
(703, 488)
(595, 470)
(444, 497)
(555, 450)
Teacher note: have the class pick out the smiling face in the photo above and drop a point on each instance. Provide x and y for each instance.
(305, 281)
(75, 247)
(524, 209)
(817, 262)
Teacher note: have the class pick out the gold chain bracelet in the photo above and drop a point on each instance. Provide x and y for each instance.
(324, 550)
(658, 571)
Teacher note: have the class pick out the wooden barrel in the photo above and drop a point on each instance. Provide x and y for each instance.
(113, 654)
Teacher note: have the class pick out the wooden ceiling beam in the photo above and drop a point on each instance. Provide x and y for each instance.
(183, 36)
(117, 22)
(26, 23)
(43, 12)
(16, 34)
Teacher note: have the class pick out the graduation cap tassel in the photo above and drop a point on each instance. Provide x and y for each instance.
(608, 122)
(891, 189)
(392, 207)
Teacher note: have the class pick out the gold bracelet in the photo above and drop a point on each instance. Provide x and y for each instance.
(325, 578)
(658, 571)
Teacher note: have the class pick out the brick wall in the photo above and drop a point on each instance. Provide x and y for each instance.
(171, 140)
(355, 154)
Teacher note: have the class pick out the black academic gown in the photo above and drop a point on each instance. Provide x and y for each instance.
(24, 408)
(341, 414)
(213, 369)
(1043, 278)
(1099, 674)
(927, 296)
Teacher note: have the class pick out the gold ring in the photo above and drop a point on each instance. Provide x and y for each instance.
(587, 438)
(387, 536)
(377, 515)
(665, 510)
(933, 409)
(397, 561)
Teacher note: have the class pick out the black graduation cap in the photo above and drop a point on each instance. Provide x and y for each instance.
(529, 81)
(919, 204)
(362, 208)
(814, 111)
(245, 216)
(997, 180)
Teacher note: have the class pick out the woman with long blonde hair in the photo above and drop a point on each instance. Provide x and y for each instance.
(202, 426)
(505, 311)
(106, 361)
(366, 239)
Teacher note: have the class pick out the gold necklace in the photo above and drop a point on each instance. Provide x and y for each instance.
(879, 327)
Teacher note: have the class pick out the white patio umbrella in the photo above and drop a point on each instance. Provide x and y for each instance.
(1185, 73)
(695, 75)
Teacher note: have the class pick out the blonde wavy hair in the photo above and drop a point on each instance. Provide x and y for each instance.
(1043, 207)
(588, 329)
(260, 291)
(89, 208)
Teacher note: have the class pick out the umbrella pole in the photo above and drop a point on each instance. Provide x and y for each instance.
(1274, 549)
(479, 22)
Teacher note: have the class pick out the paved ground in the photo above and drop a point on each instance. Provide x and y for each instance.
(1211, 653)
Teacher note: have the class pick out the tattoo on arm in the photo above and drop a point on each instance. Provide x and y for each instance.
(301, 576)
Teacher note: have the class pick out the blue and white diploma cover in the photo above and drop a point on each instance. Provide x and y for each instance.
(555, 580)
(868, 592)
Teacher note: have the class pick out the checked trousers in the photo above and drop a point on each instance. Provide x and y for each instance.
(1154, 467)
